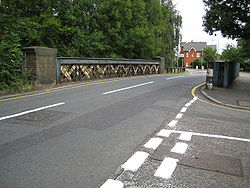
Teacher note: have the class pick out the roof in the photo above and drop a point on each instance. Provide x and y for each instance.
(198, 46)
(213, 46)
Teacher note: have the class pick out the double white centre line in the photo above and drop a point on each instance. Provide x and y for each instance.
(125, 88)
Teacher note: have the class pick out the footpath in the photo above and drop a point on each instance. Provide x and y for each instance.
(237, 96)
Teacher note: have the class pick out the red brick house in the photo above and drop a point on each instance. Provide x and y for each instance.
(191, 51)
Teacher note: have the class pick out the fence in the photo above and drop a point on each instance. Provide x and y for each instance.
(77, 69)
(175, 69)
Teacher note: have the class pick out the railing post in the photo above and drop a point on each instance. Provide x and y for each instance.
(58, 71)
(162, 64)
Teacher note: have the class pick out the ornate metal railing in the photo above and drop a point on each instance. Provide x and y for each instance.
(77, 69)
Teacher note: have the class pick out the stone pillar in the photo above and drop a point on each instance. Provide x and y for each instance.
(41, 63)
(209, 77)
(162, 63)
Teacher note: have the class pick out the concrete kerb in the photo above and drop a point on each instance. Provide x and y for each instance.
(202, 90)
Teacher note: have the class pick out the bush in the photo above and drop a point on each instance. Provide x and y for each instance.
(11, 58)
(199, 63)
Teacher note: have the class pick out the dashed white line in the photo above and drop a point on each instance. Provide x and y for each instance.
(170, 78)
(134, 162)
(125, 88)
(166, 168)
(112, 184)
(194, 99)
(179, 147)
(30, 111)
(153, 143)
(185, 136)
(188, 104)
(184, 109)
(173, 123)
(179, 116)
(164, 133)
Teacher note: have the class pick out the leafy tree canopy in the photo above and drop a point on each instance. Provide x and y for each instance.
(231, 17)
(231, 53)
(87, 28)
(210, 54)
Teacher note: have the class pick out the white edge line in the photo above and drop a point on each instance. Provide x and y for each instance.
(30, 111)
(125, 88)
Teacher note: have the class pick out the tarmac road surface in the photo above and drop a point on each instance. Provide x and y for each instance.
(84, 134)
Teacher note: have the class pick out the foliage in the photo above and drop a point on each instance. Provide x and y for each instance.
(210, 54)
(199, 63)
(231, 53)
(228, 16)
(232, 19)
(180, 62)
(88, 28)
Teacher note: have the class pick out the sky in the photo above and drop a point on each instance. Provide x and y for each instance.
(192, 12)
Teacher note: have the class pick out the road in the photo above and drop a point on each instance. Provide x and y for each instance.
(79, 135)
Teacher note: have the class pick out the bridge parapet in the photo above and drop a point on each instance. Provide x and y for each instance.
(77, 69)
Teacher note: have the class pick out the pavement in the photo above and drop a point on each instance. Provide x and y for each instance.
(237, 96)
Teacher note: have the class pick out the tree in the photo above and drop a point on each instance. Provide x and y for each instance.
(91, 28)
(209, 54)
(231, 17)
(231, 53)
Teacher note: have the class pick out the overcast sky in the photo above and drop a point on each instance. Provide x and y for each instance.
(192, 12)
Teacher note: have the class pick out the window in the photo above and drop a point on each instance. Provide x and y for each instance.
(198, 54)
(186, 54)
(192, 54)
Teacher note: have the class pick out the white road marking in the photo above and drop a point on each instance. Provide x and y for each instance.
(30, 111)
(194, 99)
(184, 109)
(112, 184)
(179, 116)
(170, 78)
(153, 143)
(179, 147)
(166, 168)
(185, 136)
(213, 136)
(173, 123)
(125, 88)
(164, 133)
(188, 104)
(134, 162)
